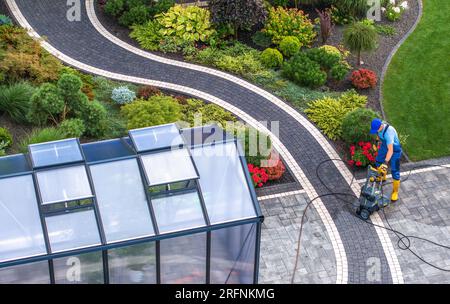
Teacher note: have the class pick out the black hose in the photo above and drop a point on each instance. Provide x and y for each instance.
(402, 238)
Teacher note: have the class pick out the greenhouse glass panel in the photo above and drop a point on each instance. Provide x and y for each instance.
(13, 164)
(154, 138)
(32, 273)
(107, 149)
(170, 166)
(233, 255)
(63, 184)
(72, 230)
(20, 225)
(183, 260)
(55, 153)
(178, 212)
(224, 188)
(135, 264)
(85, 268)
(122, 200)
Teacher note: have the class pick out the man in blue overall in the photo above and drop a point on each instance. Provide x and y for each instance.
(389, 151)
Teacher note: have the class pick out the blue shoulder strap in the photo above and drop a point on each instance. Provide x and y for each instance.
(385, 129)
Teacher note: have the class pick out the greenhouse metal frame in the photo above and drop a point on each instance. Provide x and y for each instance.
(230, 233)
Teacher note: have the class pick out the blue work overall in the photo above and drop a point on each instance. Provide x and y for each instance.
(395, 159)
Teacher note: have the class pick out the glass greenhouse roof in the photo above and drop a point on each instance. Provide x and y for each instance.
(65, 198)
(154, 138)
(55, 153)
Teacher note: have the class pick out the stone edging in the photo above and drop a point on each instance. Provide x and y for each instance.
(391, 56)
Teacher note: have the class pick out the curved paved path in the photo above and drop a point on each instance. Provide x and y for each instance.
(359, 249)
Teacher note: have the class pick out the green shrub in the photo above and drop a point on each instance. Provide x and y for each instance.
(354, 8)
(289, 46)
(95, 118)
(186, 24)
(72, 127)
(5, 138)
(22, 58)
(304, 71)
(103, 88)
(289, 22)
(271, 58)
(257, 145)
(40, 136)
(15, 100)
(155, 111)
(161, 6)
(327, 56)
(114, 7)
(46, 104)
(147, 34)
(340, 70)
(238, 14)
(339, 16)
(210, 113)
(136, 15)
(328, 113)
(262, 39)
(352, 100)
(238, 58)
(69, 85)
(331, 60)
(356, 125)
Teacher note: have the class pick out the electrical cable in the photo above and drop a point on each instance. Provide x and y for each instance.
(401, 236)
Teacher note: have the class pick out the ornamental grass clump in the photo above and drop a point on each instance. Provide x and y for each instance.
(361, 37)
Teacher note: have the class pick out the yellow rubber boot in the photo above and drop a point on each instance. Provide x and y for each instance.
(395, 188)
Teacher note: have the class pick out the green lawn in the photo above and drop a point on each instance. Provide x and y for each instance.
(417, 85)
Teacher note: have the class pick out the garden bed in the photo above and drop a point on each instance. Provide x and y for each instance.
(374, 61)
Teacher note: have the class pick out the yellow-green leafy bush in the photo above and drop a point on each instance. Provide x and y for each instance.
(289, 22)
(328, 113)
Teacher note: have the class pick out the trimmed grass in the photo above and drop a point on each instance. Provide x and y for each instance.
(417, 85)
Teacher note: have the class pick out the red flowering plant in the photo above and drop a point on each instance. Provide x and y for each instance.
(362, 154)
(275, 168)
(259, 175)
(364, 79)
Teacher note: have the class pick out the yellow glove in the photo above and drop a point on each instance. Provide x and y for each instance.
(383, 170)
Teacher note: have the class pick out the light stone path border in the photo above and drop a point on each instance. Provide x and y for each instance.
(341, 259)
(284, 194)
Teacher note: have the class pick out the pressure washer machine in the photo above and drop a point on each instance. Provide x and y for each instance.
(372, 198)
